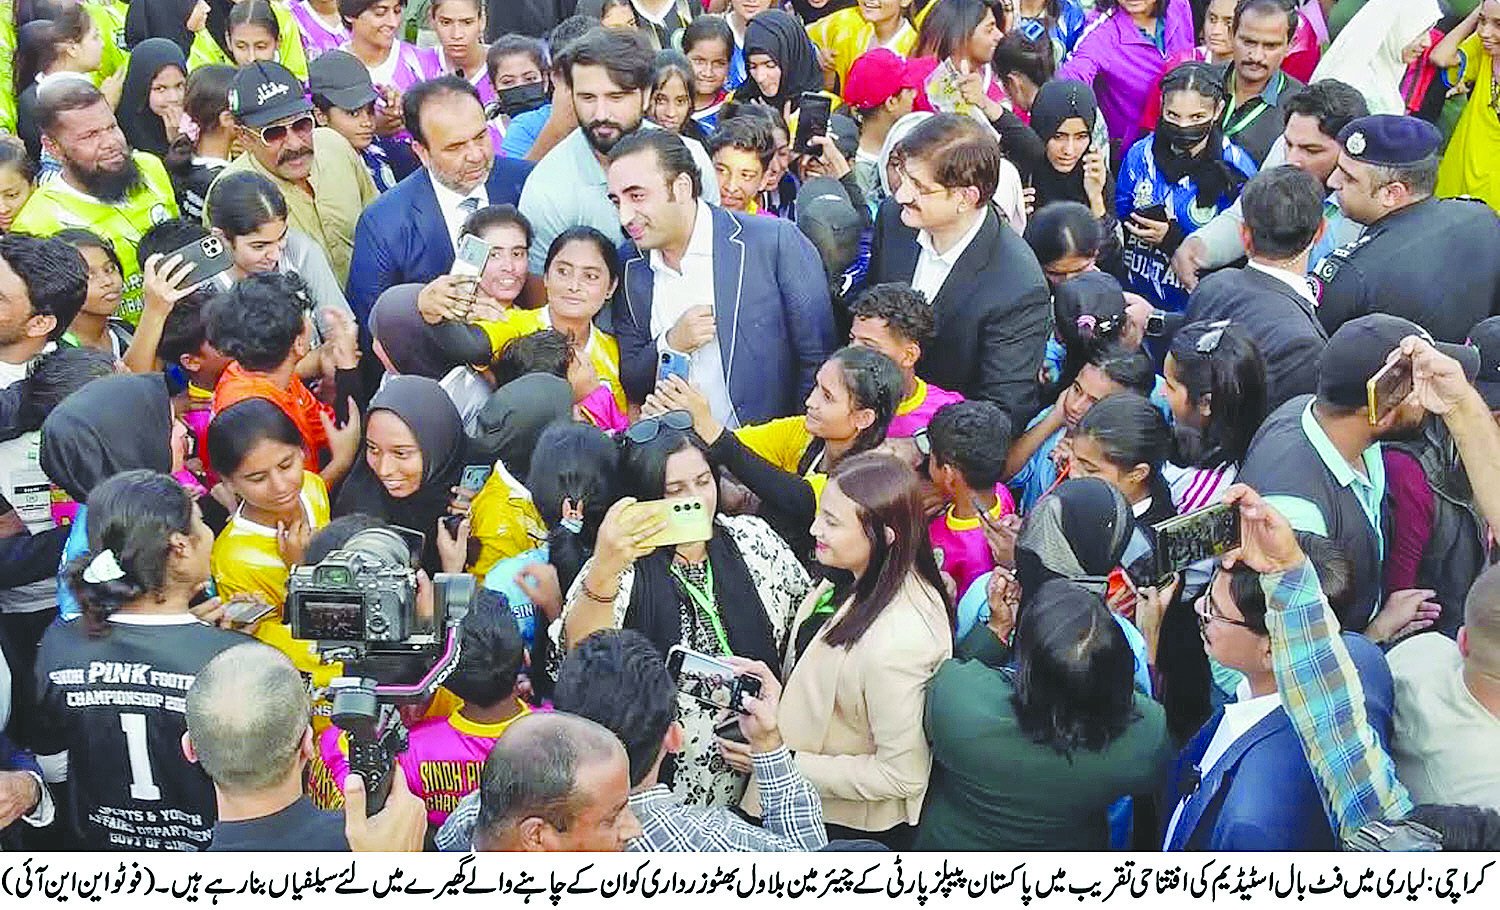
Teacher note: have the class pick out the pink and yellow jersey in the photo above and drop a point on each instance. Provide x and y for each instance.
(966, 554)
(915, 413)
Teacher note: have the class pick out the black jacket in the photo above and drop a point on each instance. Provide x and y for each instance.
(1280, 320)
(993, 313)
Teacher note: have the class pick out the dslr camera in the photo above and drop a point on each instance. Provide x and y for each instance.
(360, 605)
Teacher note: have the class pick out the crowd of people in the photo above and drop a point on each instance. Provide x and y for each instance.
(936, 309)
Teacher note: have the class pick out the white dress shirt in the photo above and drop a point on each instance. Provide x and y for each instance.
(1239, 717)
(1292, 280)
(933, 267)
(450, 204)
(676, 291)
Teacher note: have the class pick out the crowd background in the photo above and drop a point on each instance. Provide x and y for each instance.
(937, 308)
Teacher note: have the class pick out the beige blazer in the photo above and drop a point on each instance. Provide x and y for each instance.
(854, 715)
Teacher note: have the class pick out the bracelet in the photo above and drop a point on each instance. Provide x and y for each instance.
(584, 587)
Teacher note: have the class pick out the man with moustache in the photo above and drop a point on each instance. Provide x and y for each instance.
(325, 182)
(610, 76)
(104, 186)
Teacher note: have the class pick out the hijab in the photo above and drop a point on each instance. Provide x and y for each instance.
(1057, 102)
(159, 19)
(512, 421)
(112, 424)
(144, 130)
(780, 36)
(433, 420)
(408, 341)
(1367, 52)
(1079, 532)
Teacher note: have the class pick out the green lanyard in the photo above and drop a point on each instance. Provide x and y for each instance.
(703, 598)
(1249, 114)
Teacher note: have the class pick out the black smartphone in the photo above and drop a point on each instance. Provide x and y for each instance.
(1194, 537)
(209, 256)
(812, 120)
(1157, 212)
(730, 729)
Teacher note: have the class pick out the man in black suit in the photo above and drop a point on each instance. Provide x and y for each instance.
(939, 233)
(1271, 296)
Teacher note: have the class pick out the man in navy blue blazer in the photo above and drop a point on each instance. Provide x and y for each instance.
(1244, 783)
(408, 234)
(739, 301)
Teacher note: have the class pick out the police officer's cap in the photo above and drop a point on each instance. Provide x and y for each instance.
(1386, 140)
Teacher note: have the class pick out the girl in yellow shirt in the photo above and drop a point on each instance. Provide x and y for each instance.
(239, 32)
(1471, 165)
(581, 272)
(257, 450)
(846, 34)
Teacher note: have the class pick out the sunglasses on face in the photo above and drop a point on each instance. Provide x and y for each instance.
(277, 132)
(650, 428)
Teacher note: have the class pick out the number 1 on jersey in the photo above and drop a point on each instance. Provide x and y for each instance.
(142, 783)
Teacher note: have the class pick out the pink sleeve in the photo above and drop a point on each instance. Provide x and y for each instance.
(1412, 515)
(331, 748)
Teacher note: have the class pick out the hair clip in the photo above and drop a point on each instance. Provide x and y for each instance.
(104, 567)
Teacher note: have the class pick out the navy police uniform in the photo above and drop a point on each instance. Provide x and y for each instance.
(1436, 262)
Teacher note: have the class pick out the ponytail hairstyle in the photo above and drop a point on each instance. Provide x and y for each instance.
(206, 97)
(131, 519)
(577, 462)
(39, 41)
(1130, 431)
(874, 381)
(224, 18)
(1089, 310)
(1219, 361)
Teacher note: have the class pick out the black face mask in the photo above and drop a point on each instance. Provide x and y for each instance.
(518, 99)
(1183, 139)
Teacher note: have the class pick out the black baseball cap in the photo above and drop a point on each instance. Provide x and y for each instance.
(1359, 349)
(264, 92)
(342, 79)
(1485, 338)
(829, 219)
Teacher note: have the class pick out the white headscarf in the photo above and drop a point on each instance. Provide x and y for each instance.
(1367, 53)
(1009, 198)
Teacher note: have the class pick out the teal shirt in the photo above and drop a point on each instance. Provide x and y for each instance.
(1369, 488)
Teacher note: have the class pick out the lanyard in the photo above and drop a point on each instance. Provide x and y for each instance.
(703, 599)
(1250, 113)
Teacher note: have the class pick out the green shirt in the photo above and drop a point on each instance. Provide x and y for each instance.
(56, 205)
(993, 788)
(1369, 488)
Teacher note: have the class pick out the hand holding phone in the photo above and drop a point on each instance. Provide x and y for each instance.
(813, 111)
(683, 520)
(1194, 537)
(208, 257)
(1388, 389)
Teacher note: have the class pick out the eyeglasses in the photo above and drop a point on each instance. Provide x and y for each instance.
(277, 132)
(1208, 342)
(1207, 612)
(650, 428)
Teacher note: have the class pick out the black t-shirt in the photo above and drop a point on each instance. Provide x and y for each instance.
(117, 705)
(299, 828)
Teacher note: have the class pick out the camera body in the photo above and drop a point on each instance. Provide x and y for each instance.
(375, 735)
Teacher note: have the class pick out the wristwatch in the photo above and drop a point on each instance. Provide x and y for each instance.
(1156, 324)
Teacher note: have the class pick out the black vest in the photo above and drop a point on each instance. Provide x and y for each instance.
(1283, 462)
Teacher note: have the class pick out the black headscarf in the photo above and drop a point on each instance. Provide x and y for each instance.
(113, 424)
(430, 415)
(781, 37)
(1056, 102)
(143, 129)
(409, 342)
(1079, 532)
(159, 19)
(511, 422)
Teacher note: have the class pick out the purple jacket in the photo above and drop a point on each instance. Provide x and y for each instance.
(1122, 65)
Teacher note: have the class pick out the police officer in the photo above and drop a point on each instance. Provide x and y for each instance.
(1433, 261)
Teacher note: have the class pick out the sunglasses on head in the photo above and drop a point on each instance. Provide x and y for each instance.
(650, 428)
(277, 132)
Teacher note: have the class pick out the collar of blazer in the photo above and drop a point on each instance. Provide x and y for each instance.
(1222, 773)
(729, 282)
